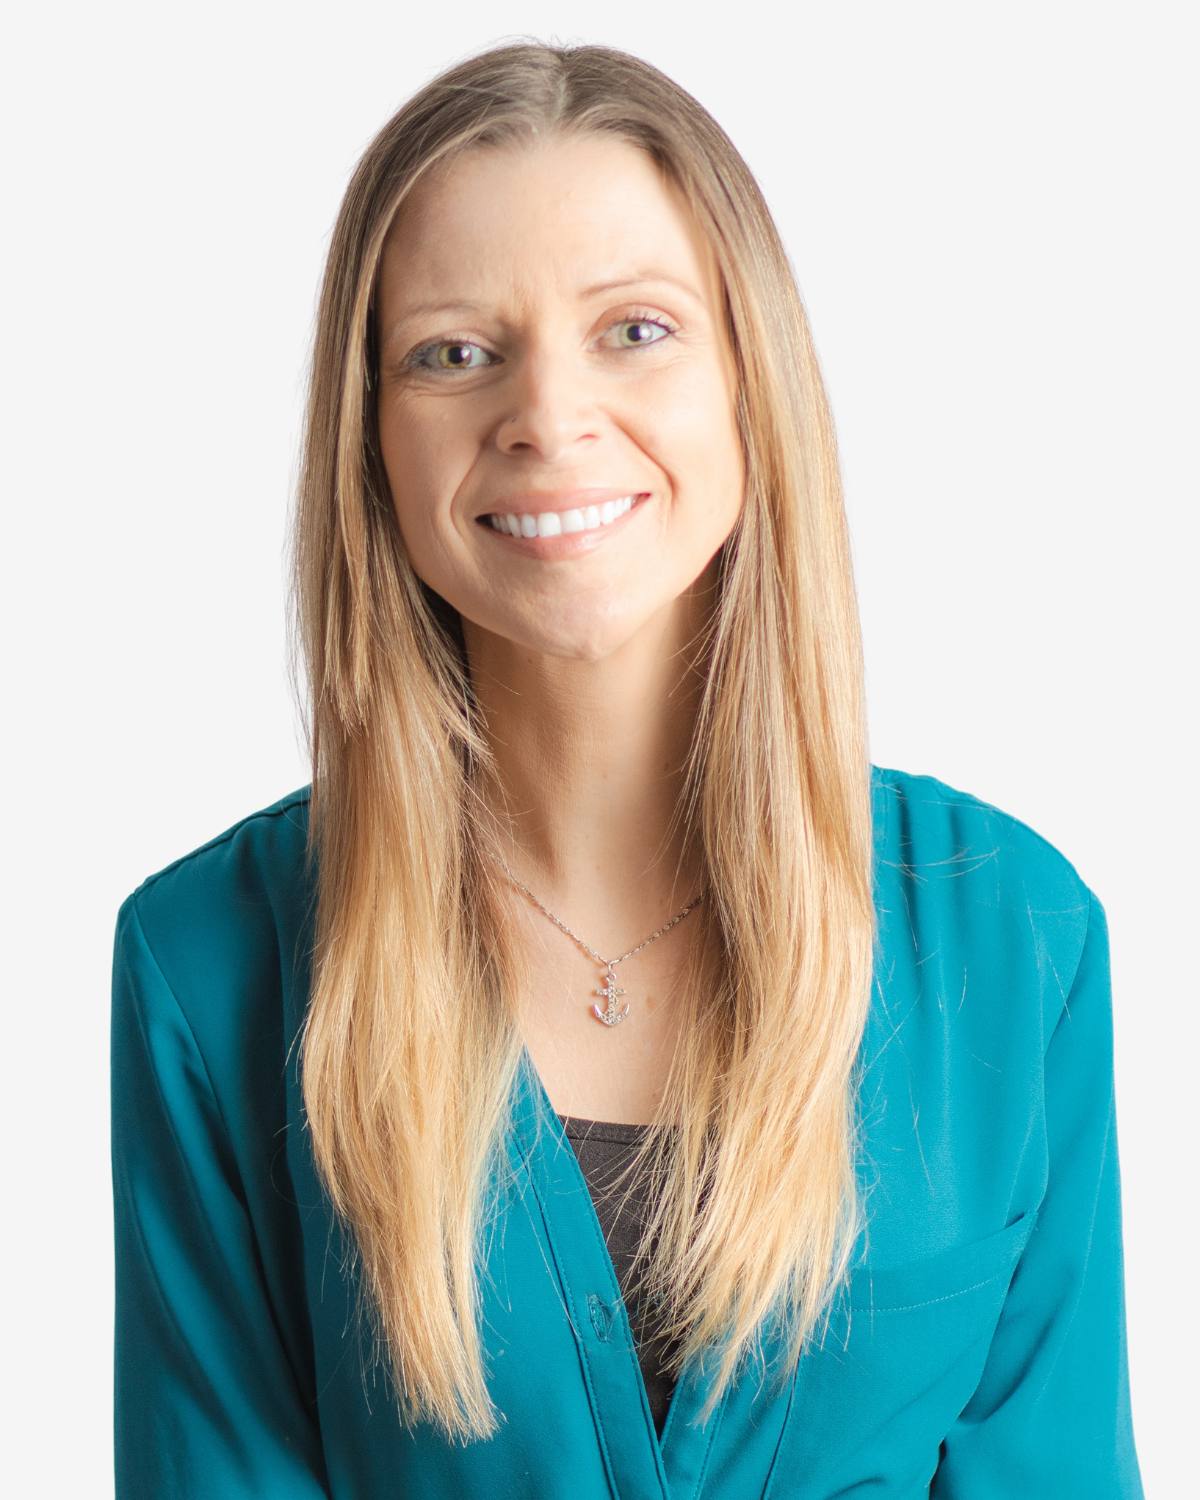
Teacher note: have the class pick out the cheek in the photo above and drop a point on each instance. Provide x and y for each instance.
(694, 437)
(410, 453)
(422, 462)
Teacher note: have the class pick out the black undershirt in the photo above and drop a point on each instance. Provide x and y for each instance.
(602, 1148)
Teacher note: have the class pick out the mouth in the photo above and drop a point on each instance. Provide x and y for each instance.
(564, 534)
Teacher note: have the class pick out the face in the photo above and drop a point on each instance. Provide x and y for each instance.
(551, 340)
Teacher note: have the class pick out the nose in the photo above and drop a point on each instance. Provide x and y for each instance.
(550, 404)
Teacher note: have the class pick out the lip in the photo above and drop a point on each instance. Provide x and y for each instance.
(568, 543)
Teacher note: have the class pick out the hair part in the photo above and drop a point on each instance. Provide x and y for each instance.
(410, 1045)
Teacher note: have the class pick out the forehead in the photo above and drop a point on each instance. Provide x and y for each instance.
(550, 218)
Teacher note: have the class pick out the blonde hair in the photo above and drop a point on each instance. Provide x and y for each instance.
(410, 1045)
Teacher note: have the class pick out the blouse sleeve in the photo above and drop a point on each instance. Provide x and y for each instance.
(205, 1399)
(1051, 1415)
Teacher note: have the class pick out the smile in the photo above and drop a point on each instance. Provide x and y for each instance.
(566, 533)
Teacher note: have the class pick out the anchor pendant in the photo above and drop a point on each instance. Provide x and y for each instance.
(611, 1015)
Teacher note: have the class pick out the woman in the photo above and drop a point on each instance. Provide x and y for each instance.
(602, 1079)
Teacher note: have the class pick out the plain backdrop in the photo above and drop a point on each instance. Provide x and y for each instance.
(991, 211)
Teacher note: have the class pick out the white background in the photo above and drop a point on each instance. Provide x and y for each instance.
(991, 213)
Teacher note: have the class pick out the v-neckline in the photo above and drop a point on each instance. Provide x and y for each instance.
(671, 1465)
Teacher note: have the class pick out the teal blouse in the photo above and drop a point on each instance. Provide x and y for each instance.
(977, 1351)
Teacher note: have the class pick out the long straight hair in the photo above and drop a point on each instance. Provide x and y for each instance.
(410, 1042)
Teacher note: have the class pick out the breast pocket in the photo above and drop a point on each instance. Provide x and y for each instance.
(903, 1351)
(946, 1276)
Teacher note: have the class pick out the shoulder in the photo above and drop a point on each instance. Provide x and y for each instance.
(259, 849)
(958, 874)
(210, 977)
(256, 835)
(932, 827)
(225, 918)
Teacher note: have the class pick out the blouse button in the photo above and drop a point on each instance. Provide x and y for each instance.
(601, 1314)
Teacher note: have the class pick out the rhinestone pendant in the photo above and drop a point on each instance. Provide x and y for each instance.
(610, 1015)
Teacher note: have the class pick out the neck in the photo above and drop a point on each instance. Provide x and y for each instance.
(590, 758)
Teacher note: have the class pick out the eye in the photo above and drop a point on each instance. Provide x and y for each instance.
(428, 356)
(419, 358)
(643, 322)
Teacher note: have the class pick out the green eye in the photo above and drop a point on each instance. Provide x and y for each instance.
(645, 323)
(428, 357)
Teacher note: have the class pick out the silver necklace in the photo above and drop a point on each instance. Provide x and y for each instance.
(610, 1015)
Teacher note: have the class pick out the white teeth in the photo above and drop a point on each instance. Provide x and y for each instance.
(554, 523)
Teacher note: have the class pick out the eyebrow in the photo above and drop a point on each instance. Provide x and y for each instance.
(636, 278)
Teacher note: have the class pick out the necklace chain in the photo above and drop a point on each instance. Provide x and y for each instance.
(610, 1016)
